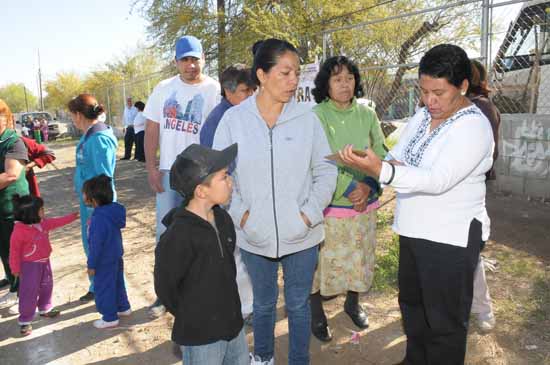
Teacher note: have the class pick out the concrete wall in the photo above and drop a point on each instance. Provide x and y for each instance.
(523, 166)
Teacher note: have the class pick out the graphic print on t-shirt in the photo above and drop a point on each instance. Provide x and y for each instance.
(187, 121)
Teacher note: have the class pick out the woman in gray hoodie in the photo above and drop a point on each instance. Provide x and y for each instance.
(282, 184)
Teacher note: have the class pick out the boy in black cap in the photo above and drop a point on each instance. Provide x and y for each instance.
(194, 263)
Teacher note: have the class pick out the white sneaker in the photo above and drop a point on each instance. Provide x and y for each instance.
(8, 299)
(14, 309)
(486, 322)
(256, 360)
(100, 323)
(126, 313)
(156, 311)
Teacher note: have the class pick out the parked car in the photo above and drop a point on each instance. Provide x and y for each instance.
(55, 128)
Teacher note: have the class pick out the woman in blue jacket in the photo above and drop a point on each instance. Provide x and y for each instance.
(95, 155)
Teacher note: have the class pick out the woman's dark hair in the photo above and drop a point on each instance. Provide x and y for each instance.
(26, 208)
(267, 54)
(99, 189)
(478, 85)
(140, 105)
(446, 61)
(87, 105)
(255, 47)
(333, 66)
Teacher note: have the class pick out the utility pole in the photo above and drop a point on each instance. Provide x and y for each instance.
(40, 83)
(26, 101)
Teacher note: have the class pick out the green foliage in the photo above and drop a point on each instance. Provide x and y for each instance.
(131, 75)
(60, 90)
(14, 95)
(387, 266)
(228, 28)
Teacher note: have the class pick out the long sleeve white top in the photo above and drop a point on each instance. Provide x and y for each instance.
(129, 115)
(441, 188)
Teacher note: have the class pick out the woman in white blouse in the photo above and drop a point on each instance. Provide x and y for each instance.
(438, 172)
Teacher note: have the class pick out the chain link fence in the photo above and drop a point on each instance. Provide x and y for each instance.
(388, 50)
(520, 72)
(517, 57)
(114, 96)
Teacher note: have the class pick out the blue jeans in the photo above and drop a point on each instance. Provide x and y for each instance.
(234, 352)
(165, 202)
(298, 269)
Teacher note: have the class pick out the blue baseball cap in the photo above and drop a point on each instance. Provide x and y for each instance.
(188, 46)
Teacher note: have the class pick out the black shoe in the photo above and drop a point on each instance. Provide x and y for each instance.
(321, 331)
(124, 158)
(51, 313)
(25, 329)
(357, 314)
(88, 297)
(4, 283)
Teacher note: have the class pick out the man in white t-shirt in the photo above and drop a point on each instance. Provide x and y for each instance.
(175, 112)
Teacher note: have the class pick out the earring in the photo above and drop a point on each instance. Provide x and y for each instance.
(463, 93)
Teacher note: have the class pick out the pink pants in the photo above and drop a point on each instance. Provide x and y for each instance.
(35, 290)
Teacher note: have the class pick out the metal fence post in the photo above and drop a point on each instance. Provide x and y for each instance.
(484, 51)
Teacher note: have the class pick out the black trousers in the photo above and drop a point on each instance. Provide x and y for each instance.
(129, 138)
(140, 150)
(435, 296)
(6, 228)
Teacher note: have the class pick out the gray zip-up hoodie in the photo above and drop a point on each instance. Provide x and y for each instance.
(279, 173)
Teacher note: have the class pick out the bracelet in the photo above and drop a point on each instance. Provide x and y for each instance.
(392, 174)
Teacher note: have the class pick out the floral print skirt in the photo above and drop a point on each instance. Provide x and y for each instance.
(347, 256)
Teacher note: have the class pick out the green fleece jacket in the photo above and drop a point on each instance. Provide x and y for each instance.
(357, 125)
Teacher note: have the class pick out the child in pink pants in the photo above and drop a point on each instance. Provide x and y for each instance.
(30, 250)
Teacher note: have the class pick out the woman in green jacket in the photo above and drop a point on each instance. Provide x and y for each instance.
(346, 258)
(13, 157)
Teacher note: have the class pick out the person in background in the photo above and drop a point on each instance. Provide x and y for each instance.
(13, 158)
(44, 129)
(128, 117)
(236, 86)
(139, 130)
(478, 93)
(175, 112)
(438, 172)
(25, 131)
(37, 132)
(39, 156)
(282, 185)
(346, 257)
(95, 155)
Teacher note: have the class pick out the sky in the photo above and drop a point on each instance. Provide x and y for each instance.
(81, 36)
(72, 35)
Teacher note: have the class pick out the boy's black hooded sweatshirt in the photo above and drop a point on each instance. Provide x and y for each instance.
(195, 277)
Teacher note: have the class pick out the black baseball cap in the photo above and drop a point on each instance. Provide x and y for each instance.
(195, 163)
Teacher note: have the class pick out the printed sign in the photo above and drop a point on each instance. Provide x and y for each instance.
(306, 84)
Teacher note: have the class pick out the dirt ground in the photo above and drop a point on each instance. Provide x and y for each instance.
(520, 286)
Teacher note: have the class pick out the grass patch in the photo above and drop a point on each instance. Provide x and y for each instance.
(387, 264)
(541, 300)
(384, 219)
